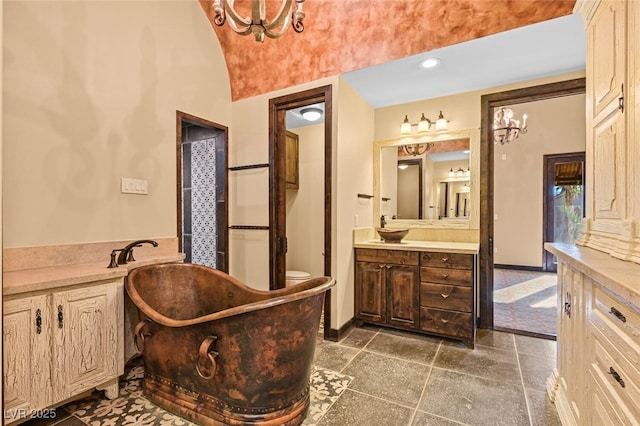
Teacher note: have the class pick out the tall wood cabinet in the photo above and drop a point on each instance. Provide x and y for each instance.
(429, 292)
(59, 343)
(612, 222)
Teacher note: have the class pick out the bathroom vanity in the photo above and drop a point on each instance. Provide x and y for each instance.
(63, 326)
(424, 286)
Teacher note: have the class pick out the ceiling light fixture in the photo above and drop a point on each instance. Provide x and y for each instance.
(505, 127)
(431, 62)
(311, 114)
(403, 166)
(258, 24)
(423, 125)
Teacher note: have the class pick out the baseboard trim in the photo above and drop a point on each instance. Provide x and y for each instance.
(526, 333)
(519, 267)
(337, 335)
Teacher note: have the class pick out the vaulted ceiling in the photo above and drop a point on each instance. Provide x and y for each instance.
(345, 35)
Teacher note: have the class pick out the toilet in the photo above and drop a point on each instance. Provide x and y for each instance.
(296, 277)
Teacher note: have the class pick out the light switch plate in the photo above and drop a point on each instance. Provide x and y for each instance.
(134, 186)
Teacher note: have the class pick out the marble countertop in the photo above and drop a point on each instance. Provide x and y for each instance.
(621, 277)
(435, 246)
(39, 279)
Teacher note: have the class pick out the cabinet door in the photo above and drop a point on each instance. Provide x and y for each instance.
(27, 356)
(88, 345)
(291, 180)
(370, 292)
(403, 283)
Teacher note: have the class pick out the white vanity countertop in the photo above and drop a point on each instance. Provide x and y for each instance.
(436, 246)
(39, 279)
(621, 277)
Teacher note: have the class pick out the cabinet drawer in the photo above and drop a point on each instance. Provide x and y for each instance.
(613, 372)
(620, 316)
(450, 297)
(399, 257)
(450, 323)
(605, 411)
(447, 276)
(447, 260)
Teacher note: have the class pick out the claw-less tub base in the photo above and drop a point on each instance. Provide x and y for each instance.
(220, 353)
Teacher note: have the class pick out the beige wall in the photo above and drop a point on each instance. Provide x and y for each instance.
(555, 126)
(305, 205)
(249, 192)
(91, 91)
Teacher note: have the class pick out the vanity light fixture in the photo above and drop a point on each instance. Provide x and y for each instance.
(416, 148)
(451, 172)
(505, 127)
(311, 114)
(258, 24)
(423, 125)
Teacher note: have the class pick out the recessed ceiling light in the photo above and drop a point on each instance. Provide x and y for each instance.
(430, 62)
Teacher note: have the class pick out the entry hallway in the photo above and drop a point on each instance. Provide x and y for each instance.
(386, 377)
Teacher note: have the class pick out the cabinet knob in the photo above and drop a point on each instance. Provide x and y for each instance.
(444, 296)
(445, 259)
(445, 276)
(444, 321)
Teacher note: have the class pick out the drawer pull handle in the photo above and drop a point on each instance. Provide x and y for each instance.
(444, 321)
(445, 259)
(616, 376)
(445, 276)
(444, 296)
(618, 314)
(60, 317)
(38, 321)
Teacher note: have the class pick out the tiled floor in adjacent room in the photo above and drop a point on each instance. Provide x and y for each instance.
(387, 377)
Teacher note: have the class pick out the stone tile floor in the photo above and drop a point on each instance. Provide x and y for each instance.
(386, 377)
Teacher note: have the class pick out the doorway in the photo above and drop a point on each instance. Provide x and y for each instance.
(563, 202)
(488, 103)
(201, 153)
(278, 108)
(409, 190)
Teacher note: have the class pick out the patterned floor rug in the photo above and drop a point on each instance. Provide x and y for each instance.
(525, 300)
(131, 408)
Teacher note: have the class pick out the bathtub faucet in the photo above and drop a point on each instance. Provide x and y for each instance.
(126, 254)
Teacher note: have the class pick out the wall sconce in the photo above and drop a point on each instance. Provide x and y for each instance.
(423, 125)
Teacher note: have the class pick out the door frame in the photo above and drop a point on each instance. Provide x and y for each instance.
(277, 191)
(549, 177)
(418, 162)
(487, 104)
(222, 173)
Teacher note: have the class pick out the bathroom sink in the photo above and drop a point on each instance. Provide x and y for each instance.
(392, 235)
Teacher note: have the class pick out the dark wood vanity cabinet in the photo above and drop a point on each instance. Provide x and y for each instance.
(387, 287)
(447, 295)
(423, 291)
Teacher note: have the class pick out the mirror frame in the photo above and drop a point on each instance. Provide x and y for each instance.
(472, 222)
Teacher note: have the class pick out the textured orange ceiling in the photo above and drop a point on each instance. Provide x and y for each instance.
(345, 35)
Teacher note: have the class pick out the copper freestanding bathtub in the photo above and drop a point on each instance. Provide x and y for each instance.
(219, 352)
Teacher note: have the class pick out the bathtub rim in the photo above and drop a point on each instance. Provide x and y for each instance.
(275, 297)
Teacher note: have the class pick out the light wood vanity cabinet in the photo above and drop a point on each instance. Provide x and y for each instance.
(74, 338)
(597, 380)
(422, 291)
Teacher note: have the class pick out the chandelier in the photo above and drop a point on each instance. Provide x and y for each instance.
(258, 24)
(505, 127)
(416, 148)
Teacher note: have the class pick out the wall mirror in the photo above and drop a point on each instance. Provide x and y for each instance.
(426, 181)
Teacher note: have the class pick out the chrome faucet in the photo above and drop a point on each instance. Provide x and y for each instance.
(126, 254)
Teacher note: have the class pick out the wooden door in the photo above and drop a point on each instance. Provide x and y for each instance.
(87, 341)
(370, 292)
(27, 355)
(403, 286)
